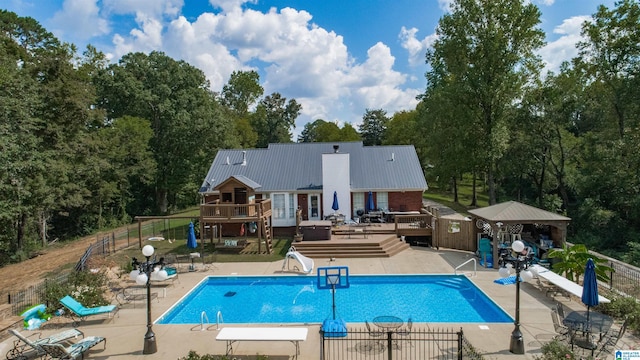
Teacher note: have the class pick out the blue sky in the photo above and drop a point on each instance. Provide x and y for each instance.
(335, 57)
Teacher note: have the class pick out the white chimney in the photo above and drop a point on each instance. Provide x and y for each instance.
(244, 158)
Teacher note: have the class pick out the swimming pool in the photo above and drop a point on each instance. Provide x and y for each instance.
(297, 299)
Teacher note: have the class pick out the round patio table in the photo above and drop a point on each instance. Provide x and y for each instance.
(597, 323)
(388, 322)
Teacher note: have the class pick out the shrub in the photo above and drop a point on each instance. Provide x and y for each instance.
(555, 350)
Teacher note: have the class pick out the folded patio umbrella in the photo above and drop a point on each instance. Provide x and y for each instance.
(370, 202)
(590, 286)
(191, 237)
(335, 206)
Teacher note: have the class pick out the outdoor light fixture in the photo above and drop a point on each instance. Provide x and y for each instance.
(142, 276)
(520, 261)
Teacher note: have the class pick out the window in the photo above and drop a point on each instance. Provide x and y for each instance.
(279, 210)
(383, 201)
(292, 206)
(358, 203)
(226, 197)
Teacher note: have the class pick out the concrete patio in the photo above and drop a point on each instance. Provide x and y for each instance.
(125, 333)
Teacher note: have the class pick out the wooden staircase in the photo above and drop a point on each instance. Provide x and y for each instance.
(266, 232)
(361, 248)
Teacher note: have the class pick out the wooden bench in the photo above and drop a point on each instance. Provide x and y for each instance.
(232, 246)
(233, 334)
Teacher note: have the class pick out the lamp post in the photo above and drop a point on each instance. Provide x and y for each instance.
(143, 277)
(520, 262)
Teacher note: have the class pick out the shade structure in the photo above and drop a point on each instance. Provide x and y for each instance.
(590, 286)
(370, 206)
(191, 237)
(335, 206)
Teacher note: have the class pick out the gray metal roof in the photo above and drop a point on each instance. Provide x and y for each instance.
(512, 211)
(298, 166)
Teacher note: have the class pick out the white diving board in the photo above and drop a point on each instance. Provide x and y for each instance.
(233, 334)
(562, 282)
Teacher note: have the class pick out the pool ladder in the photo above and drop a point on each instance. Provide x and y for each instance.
(475, 266)
(203, 317)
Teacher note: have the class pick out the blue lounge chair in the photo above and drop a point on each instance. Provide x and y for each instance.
(80, 312)
(28, 345)
(73, 351)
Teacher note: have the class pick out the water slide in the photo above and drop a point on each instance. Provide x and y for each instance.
(307, 263)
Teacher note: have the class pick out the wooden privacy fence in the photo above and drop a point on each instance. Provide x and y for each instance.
(454, 233)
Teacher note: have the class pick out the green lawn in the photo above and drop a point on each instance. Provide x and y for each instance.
(444, 196)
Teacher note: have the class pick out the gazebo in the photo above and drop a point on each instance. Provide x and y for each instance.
(514, 215)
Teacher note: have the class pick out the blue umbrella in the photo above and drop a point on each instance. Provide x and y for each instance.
(590, 286)
(191, 237)
(370, 206)
(335, 206)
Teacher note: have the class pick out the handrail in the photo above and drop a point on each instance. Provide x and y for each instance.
(203, 316)
(219, 320)
(475, 266)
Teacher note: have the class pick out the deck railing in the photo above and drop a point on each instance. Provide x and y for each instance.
(220, 210)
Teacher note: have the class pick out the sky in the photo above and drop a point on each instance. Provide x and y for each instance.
(337, 58)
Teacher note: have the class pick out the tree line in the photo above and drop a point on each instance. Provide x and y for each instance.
(86, 144)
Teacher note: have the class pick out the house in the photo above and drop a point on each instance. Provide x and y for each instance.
(305, 176)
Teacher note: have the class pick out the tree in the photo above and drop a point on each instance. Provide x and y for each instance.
(373, 127)
(325, 131)
(610, 55)
(274, 118)
(241, 91)
(485, 57)
(187, 122)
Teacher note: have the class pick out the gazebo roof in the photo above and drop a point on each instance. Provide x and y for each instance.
(513, 211)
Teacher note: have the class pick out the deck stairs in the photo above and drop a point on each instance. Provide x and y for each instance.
(360, 248)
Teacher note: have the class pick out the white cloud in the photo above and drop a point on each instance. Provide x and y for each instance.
(79, 20)
(416, 48)
(564, 47)
(152, 8)
(295, 57)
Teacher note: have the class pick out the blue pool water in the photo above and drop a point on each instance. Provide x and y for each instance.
(297, 299)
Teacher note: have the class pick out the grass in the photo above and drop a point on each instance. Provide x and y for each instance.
(179, 247)
(444, 195)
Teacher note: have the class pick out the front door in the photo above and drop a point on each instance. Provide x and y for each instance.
(314, 207)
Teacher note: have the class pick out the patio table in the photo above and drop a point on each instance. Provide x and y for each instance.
(388, 322)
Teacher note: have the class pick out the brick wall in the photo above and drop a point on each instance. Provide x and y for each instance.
(405, 201)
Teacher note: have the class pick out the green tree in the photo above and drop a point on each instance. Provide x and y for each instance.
(187, 122)
(373, 127)
(274, 118)
(241, 92)
(485, 57)
(325, 131)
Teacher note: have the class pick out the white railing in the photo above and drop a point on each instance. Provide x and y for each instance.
(475, 266)
(203, 316)
(219, 320)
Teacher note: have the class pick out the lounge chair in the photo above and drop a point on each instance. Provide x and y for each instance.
(27, 345)
(79, 312)
(73, 351)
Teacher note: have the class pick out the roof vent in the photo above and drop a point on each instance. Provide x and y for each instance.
(335, 148)
(227, 162)
(393, 156)
(244, 158)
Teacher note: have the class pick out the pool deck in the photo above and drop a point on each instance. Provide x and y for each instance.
(125, 333)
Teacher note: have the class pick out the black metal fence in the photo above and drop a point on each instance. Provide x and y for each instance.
(22, 299)
(419, 344)
(625, 278)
